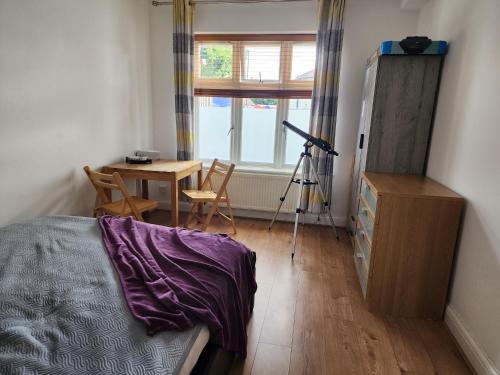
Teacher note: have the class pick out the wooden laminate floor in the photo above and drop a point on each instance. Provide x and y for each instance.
(310, 317)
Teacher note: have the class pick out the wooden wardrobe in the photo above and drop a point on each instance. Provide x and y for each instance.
(399, 96)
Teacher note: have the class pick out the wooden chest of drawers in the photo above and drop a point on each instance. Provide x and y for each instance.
(404, 242)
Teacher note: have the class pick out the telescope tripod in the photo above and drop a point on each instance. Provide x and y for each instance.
(306, 157)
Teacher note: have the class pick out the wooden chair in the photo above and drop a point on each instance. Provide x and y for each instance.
(208, 195)
(127, 206)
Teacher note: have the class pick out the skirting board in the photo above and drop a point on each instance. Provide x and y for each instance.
(476, 356)
(266, 215)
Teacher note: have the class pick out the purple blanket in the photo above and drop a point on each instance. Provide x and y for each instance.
(173, 278)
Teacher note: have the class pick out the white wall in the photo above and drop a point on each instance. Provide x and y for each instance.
(367, 23)
(465, 156)
(75, 90)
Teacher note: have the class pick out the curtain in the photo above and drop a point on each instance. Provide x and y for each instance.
(183, 75)
(183, 65)
(324, 97)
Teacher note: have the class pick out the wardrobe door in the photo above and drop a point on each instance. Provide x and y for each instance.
(363, 136)
(402, 116)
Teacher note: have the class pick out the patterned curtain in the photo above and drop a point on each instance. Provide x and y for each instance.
(183, 65)
(325, 95)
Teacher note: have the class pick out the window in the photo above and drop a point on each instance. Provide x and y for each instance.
(216, 61)
(258, 130)
(303, 60)
(261, 62)
(245, 86)
(299, 111)
(214, 118)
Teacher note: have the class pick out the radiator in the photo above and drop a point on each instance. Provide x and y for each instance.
(253, 195)
(260, 192)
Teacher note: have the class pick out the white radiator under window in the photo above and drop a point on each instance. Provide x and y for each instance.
(260, 192)
(256, 195)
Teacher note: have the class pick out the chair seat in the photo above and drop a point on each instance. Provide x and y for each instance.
(115, 208)
(202, 195)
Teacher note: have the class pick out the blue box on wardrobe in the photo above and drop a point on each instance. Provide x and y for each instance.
(392, 47)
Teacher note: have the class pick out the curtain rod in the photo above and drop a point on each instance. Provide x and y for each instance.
(158, 3)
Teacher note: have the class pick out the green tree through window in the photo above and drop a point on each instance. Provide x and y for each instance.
(216, 61)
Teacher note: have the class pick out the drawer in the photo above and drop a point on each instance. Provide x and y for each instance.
(363, 243)
(360, 268)
(367, 222)
(369, 196)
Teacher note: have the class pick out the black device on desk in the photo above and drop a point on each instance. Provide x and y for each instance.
(138, 160)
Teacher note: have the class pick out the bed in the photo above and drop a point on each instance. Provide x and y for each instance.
(62, 310)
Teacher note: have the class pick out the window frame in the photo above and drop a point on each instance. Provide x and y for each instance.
(282, 90)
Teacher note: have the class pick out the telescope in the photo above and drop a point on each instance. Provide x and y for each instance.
(322, 144)
(307, 158)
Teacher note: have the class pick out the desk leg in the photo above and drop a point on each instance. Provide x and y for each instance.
(145, 189)
(200, 183)
(174, 202)
(145, 195)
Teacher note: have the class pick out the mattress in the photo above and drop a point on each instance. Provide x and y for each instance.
(62, 310)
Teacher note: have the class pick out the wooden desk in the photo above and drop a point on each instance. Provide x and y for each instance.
(160, 170)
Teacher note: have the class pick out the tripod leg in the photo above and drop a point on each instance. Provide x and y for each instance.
(298, 209)
(283, 196)
(325, 202)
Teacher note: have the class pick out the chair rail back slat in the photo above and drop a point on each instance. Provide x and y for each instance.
(105, 182)
(225, 171)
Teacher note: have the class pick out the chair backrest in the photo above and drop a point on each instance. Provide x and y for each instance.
(221, 169)
(104, 184)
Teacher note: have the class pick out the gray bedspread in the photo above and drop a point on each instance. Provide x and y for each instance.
(62, 310)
